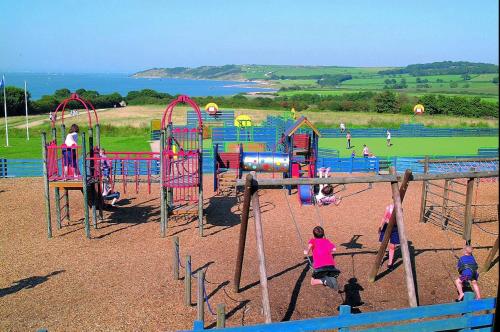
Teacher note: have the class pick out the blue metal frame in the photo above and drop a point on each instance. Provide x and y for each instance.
(398, 319)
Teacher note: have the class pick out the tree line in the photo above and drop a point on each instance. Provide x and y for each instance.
(387, 101)
(444, 68)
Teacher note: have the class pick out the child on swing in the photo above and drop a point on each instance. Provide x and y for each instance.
(107, 190)
(467, 267)
(325, 273)
(325, 195)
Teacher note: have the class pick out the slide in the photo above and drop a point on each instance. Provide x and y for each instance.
(304, 191)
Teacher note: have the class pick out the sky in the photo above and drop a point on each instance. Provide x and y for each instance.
(111, 36)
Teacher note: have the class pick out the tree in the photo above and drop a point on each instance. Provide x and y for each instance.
(15, 101)
(494, 80)
(386, 102)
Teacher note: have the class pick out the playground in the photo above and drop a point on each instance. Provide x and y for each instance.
(122, 278)
(89, 265)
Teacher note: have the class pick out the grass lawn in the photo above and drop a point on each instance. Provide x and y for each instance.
(411, 146)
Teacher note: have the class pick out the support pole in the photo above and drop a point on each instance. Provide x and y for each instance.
(175, 265)
(247, 195)
(93, 191)
(84, 188)
(200, 185)
(66, 201)
(163, 209)
(46, 185)
(468, 211)
(63, 132)
(424, 190)
(221, 316)
(489, 259)
(187, 282)
(99, 189)
(200, 304)
(445, 204)
(262, 258)
(58, 206)
(387, 235)
(405, 251)
(54, 134)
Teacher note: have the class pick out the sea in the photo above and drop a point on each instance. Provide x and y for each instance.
(39, 84)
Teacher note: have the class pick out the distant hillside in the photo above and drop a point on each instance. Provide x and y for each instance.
(444, 68)
(232, 72)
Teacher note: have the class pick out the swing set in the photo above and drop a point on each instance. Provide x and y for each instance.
(251, 198)
(177, 167)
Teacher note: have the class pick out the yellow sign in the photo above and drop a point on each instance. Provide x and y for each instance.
(294, 113)
(242, 121)
(155, 124)
(419, 109)
(211, 108)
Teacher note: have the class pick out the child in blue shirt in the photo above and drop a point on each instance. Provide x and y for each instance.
(467, 267)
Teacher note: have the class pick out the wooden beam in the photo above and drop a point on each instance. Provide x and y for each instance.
(200, 302)
(405, 251)
(388, 230)
(489, 259)
(277, 183)
(245, 212)
(468, 211)
(66, 185)
(266, 308)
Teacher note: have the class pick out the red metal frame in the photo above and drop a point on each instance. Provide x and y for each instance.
(74, 97)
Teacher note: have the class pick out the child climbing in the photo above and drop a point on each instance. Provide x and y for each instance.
(467, 267)
(107, 189)
(325, 195)
(325, 273)
(394, 237)
(69, 153)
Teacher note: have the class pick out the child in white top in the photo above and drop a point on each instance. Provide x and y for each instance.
(325, 195)
(70, 160)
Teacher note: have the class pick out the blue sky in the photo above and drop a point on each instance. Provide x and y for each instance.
(126, 36)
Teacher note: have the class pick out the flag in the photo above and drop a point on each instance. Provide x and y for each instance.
(1, 83)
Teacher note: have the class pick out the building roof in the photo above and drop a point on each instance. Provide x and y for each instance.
(298, 124)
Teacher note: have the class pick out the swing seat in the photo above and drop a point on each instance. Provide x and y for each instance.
(329, 275)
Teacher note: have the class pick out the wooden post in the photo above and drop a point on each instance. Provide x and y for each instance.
(175, 265)
(84, 188)
(489, 259)
(200, 185)
(46, 185)
(187, 282)
(221, 316)
(387, 235)
(262, 258)
(405, 251)
(424, 191)
(243, 231)
(445, 204)
(58, 206)
(163, 208)
(200, 304)
(468, 211)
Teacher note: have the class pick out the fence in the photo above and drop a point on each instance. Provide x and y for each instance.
(224, 116)
(411, 130)
(467, 315)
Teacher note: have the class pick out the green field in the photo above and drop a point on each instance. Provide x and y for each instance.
(406, 146)
(411, 146)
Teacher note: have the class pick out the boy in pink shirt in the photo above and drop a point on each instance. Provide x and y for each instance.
(325, 273)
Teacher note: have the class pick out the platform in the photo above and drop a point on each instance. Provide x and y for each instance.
(66, 184)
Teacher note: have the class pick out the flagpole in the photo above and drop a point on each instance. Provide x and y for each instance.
(26, 105)
(5, 112)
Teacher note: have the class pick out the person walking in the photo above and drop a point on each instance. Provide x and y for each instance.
(348, 137)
